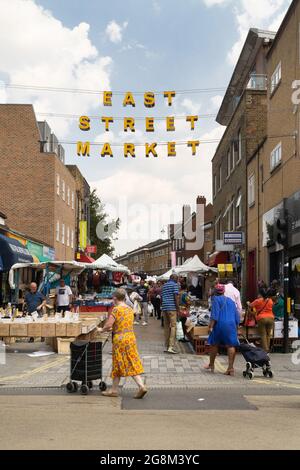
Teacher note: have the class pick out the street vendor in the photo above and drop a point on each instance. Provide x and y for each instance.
(35, 301)
(63, 297)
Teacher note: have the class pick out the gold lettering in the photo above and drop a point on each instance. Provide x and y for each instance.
(194, 144)
(149, 99)
(170, 123)
(107, 120)
(129, 149)
(149, 124)
(129, 124)
(169, 95)
(83, 148)
(129, 99)
(150, 148)
(171, 149)
(192, 120)
(84, 123)
(106, 150)
(107, 98)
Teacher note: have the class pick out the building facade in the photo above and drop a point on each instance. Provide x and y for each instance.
(273, 172)
(243, 112)
(37, 191)
(153, 258)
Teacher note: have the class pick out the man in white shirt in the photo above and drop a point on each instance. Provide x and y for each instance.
(63, 297)
(233, 294)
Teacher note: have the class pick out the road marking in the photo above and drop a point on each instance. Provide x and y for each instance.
(35, 371)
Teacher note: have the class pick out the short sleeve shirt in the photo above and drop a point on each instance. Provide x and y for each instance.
(33, 300)
(169, 291)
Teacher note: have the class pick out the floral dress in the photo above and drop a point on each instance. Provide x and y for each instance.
(125, 356)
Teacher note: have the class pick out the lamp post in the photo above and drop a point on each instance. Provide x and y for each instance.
(163, 231)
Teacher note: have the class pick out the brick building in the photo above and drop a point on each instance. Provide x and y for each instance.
(273, 172)
(82, 202)
(37, 191)
(180, 244)
(243, 111)
(153, 258)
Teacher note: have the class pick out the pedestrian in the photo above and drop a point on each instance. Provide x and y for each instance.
(142, 290)
(155, 299)
(170, 308)
(223, 328)
(234, 294)
(278, 306)
(263, 311)
(136, 300)
(184, 308)
(35, 302)
(125, 356)
(63, 297)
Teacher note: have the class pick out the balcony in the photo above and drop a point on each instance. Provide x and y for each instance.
(257, 82)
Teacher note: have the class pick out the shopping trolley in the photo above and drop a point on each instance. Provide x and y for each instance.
(86, 365)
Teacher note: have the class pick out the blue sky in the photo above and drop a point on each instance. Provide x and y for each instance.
(134, 45)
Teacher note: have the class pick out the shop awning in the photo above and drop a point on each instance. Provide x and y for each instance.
(218, 257)
(83, 258)
(12, 252)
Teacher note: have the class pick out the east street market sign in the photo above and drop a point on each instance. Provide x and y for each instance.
(233, 238)
(129, 123)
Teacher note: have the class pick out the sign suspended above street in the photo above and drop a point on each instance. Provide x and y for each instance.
(233, 238)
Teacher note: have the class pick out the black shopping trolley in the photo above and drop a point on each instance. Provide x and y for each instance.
(86, 365)
(255, 358)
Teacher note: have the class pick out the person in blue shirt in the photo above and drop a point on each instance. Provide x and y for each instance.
(223, 328)
(170, 308)
(34, 300)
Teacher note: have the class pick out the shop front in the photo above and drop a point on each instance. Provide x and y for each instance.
(11, 252)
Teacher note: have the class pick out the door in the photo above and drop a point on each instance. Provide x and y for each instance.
(252, 281)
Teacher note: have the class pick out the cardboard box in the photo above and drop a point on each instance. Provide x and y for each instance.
(74, 329)
(34, 330)
(4, 329)
(293, 329)
(200, 331)
(18, 329)
(63, 345)
(48, 330)
(61, 329)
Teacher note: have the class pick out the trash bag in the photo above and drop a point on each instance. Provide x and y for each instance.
(179, 331)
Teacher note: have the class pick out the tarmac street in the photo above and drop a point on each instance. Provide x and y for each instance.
(185, 408)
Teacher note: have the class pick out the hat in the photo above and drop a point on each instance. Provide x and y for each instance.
(220, 289)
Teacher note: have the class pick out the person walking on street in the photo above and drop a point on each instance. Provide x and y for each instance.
(170, 308)
(234, 294)
(63, 297)
(142, 290)
(263, 311)
(125, 356)
(35, 302)
(223, 328)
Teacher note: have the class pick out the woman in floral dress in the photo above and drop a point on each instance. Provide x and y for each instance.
(125, 356)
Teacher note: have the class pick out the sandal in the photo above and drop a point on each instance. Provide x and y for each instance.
(229, 372)
(141, 393)
(110, 393)
(209, 367)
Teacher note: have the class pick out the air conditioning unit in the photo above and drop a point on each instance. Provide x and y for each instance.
(61, 153)
(45, 134)
(53, 143)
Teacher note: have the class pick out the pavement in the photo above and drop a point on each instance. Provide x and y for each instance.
(186, 407)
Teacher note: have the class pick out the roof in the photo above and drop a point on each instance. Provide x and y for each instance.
(283, 24)
(253, 43)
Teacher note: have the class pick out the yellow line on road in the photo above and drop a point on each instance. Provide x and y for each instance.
(36, 370)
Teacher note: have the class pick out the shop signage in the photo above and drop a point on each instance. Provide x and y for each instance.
(82, 234)
(129, 126)
(91, 249)
(48, 253)
(233, 238)
(220, 246)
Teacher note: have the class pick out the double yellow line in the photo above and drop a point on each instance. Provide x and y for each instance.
(35, 371)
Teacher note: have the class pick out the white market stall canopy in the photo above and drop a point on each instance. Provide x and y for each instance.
(65, 267)
(166, 276)
(105, 262)
(195, 265)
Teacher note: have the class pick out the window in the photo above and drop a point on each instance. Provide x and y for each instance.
(215, 184)
(72, 239)
(68, 197)
(220, 177)
(232, 156)
(239, 146)
(68, 236)
(57, 231)
(276, 156)
(239, 210)
(57, 184)
(63, 234)
(179, 261)
(228, 164)
(276, 78)
(72, 199)
(251, 190)
(63, 190)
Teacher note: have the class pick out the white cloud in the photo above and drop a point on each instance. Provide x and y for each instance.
(114, 31)
(216, 101)
(37, 49)
(156, 6)
(191, 106)
(211, 3)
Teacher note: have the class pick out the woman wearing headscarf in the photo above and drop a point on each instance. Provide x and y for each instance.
(223, 328)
